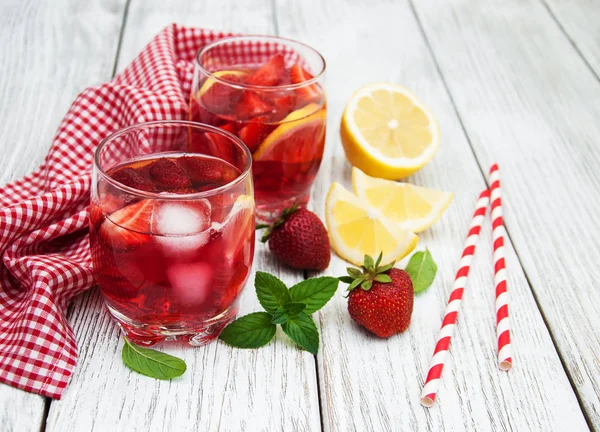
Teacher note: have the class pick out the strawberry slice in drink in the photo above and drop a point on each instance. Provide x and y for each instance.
(219, 97)
(272, 73)
(168, 174)
(255, 131)
(130, 177)
(307, 94)
(129, 227)
(251, 105)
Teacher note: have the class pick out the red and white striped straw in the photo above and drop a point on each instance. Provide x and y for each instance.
(502, 320)
(441, 348)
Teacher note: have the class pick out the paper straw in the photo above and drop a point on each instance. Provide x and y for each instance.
(441, 348)
(502, 319)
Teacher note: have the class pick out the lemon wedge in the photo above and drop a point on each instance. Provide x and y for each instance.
(356, 229)
(387, 132)
(413, 207)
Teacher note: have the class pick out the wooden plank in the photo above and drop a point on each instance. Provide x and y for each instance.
(529, 101)
(372, 384)
(51, 50)
(580, 20)
(274, 388)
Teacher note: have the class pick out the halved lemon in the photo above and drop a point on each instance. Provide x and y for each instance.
(413, 207)
(356, 229)
(220, 74)
(387, 132)
(299, 138)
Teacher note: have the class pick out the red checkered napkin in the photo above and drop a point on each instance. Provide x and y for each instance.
(44, 216)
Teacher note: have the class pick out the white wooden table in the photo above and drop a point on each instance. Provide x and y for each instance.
(513, 81)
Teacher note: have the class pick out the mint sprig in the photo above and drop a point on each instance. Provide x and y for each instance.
(290, 308)
(152, 363)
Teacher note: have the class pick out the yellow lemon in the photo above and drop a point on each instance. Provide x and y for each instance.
(413, 207)
(356, 229)
(387, 132)
(299, 138)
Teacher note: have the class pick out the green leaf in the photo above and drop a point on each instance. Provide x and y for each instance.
(152, 363)
(294, 309)
(302, 330)
(422, 269)
(369, 263)
(315, 292)
(261, 226)
(289, 310)
(383, 278)
(250, 331)
(366, 285)
(355, 283)
(346, 279)
(379, 259)
(354, 273)
(280, 317)
(271, 292)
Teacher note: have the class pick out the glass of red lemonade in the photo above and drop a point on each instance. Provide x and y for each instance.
(171, 230)
(268, 91)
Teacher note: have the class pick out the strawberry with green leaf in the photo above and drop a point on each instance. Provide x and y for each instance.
(381, 298)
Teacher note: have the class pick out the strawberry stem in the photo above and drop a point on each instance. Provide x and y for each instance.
(370, 272)
(284, 215)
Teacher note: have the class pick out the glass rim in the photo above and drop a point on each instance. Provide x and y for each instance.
(211, 75)
(166, 196)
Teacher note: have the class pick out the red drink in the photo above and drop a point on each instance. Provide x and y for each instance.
(172, 264)
(272, 103)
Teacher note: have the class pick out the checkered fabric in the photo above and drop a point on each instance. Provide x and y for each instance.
(44, 216)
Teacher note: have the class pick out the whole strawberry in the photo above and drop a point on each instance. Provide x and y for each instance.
(299, 239)
(381, 298)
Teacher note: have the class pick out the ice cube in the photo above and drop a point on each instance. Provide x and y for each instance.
(182, 247)
(181, 228)
(179, 218)
(190, 282)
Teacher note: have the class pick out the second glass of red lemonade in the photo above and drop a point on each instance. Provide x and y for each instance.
(268, 91)
(171, 230)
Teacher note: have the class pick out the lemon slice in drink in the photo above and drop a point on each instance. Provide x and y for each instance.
(299, 138)
(224, 74)
(387, 132)
(356, 229)
(413, 207)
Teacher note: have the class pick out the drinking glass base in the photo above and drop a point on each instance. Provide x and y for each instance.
(195, 334)
(267, 212)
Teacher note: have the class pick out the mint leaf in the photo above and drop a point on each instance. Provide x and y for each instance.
(152, 363)
(280, 317)
(250, 331)
(422, 269)
(294, 308)
(346, 279)
(271, 292)
(315, 292)
(302, 330)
